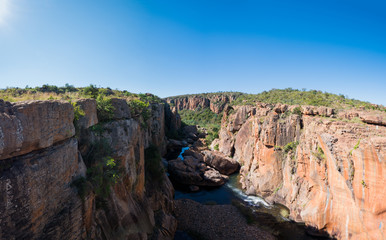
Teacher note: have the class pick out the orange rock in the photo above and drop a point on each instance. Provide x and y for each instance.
(333, 180)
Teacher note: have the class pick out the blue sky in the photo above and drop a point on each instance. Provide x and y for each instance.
(193, 46)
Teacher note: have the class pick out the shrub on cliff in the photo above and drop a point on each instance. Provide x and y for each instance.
(91, 91)
(102, 172)
(78, 113)
(290, 146)
(105, 109)
(139, 107)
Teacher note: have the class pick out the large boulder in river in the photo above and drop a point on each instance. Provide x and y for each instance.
(194, 153)
(219, 161)
(191, 171)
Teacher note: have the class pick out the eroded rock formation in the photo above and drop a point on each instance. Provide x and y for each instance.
(329, 171)
(215, 102)
(40, 158)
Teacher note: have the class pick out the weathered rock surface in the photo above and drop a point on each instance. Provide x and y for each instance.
(33, 125)
(216, 103)
(191, 171)
(220, 162)
(90, 117)
(333, 179)
(215, 222)
(40, 161)
(121, 109)
(36, 200)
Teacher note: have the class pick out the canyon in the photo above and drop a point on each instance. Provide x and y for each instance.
(41, 159)
(326, 165)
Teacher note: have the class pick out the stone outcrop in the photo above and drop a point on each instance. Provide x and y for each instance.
(33, 125)
(37, 201)
(220, 162)
(41, 161)
(192, 171)
(90, 118)
(216, 103)
(330, 172)
(121, 109)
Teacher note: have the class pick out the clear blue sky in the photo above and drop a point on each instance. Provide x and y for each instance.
(193, 46)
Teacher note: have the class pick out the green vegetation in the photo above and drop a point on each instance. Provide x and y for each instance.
(278, 188)
(319, 154)
(210, 95)
(204, 118)
(216, 147)
(357, 145)
(286, 96)
(78, 113)
(290, 146)
(297, 111)
(105, 109)
(212, 135)
(139, 107)
(153, 168)
(69, 92)
(296, 97)
(102, 172)
(364, 183)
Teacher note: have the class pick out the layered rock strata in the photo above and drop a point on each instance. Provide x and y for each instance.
(215, 103)
(327, 167)
(40, 159)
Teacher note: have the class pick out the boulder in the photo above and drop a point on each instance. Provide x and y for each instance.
(220, 162)
(121, 109)
(193, 153)
(194, 172)
(377, 119)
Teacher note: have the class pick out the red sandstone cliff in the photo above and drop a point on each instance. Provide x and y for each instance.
(333, 179)
(215, 102)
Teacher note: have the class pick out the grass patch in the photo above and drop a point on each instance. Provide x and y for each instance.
(319, 154)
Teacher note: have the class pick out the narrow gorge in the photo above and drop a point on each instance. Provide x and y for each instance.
(108, 169)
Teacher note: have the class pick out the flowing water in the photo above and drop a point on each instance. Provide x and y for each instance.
(272, 218)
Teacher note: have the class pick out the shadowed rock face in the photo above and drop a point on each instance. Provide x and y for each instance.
(40, 159)
(333, 179)
(37, 201)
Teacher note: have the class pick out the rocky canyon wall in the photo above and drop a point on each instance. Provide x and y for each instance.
(215, 102)
(327, 167)
(42, 156)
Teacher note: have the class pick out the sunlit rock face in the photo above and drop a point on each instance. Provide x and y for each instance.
(330, 172)
(215, 103)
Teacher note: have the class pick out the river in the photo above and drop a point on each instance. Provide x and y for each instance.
(272, 218)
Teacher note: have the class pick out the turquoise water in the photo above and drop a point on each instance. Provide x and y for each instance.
(182, 152)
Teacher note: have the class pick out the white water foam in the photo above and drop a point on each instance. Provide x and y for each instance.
(252, 200)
